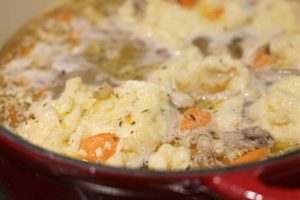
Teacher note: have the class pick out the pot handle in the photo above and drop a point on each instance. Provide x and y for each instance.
(267, 183)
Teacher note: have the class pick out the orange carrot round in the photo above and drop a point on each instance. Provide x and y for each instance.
(216, 13)
(187, 3)
(106, 142)
(252, 156)
(194, 119)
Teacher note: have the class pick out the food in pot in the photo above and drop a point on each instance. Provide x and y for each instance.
(160, 84)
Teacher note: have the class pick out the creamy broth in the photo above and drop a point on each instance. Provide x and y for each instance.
(160, 84)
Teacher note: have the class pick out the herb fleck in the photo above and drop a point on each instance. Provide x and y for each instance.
(31, 116)
(133, 123)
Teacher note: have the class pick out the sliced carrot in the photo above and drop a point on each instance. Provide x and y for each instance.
(194, 119)
(64, 17)
(187, 3)
(263, 59)
(212, 14)
(252, 156)
(105, 142)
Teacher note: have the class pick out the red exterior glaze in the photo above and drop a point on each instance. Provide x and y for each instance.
(254, 184)
(20, 183)
(30, 173)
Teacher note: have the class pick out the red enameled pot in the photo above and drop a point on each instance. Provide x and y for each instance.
(29, 172)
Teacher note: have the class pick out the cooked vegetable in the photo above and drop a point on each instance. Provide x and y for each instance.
(194, 119)
(100, 147)
(263, 59)
(212, 13)
(187, 3)
(64, 17)
(252, 156)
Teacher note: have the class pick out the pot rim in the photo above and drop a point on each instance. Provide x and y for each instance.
(14, 138)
